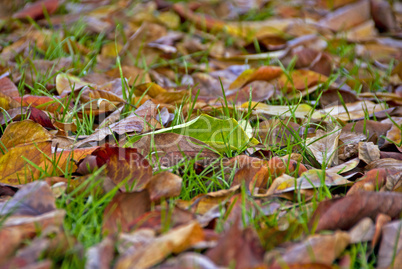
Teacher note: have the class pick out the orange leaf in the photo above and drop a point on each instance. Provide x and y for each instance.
(265, 73)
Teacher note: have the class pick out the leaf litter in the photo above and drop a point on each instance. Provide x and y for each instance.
(200, 134)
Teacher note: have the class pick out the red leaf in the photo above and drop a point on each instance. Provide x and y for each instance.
(35, 10)
(40, 117)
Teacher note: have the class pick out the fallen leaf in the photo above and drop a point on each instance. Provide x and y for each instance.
(265, 73)
(175, 241)
(24, 132)
(123, 165)
(189, 260)
(172, 148)
(310, 179)
(387, 163)
(372, 181)
(14, 169)
(35, 10)
(380, 221)
(383, 16)
(164, 185)
(347, 16)
(363, 231)
(157, 221)
(351, 111)
(33, 199)
(300, 80)
(222, 135)
(236, 246)
(7, 102)
(100, 255)
(391, 245)
(43, 103)
(299, 111)
(324, 146)
(119, 212)
(8, 87)
(322, 249)
(368, 152)
(343, 213)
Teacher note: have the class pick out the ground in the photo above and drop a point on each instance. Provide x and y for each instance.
(200, 134)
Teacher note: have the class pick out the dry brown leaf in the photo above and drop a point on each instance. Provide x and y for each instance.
(35, 10)
(388, 163)
(175, 241)
(380, 221)
(164, 185)
(343, 213)
(363, 231)
(172, 148)
(123, 209)
(8, 87)
(101, 255)
(241, 247)
(323, 249)
(368, 152)
(324, 146)
(33, 199)
(372, 181)
(124, 167)
(391, 245)
(347, 16)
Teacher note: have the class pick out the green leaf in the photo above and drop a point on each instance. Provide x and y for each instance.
(299, 111)
(221, 134)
